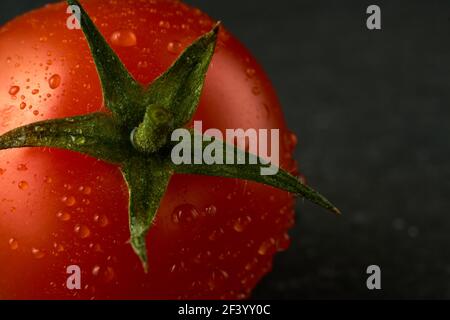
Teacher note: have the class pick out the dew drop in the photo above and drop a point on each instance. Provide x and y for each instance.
(82, 231)
(38, 254)
(241, 224)
(23, 185)
(216, 234)
(54, 81)
(23, 105)
(267, 247)
(174, 47)
(58, 247)
(101, 220)
(22, 167)
(250, 72)
(256, 91)
(13, 244)
(109, 274)
(70, 201)
(63, 216)
(96, 247)
(35, 91)
(251, 265)
(211, 210)
(185, 213)
(87, 190)
(123, 38)
(143, 64)
(164, 24)
(36, 112)
(14, 90)
(95, 270)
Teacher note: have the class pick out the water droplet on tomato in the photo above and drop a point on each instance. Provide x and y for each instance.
(95, 270)
(185, 213)
(211, 210)
(23, 185)
(35, 91)
(216, 234)
(14, 90)
(23, 105)
(252, 264)
(250, 72)
(101, 220)
(58, 247)
(22, 167)
(36, 112)
(70, 201)
(82, 231)
(109, 274)
(96, 247)
(267, 247)
(54, 81)
(164, 24)
(256, 91)
(63, 216)
(13, 244)
(85, 190)
(174, 47)
(241, 224)
(123, 38)
(37, 253)
(142, 64)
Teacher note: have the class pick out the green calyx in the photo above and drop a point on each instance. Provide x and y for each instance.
(136, 135)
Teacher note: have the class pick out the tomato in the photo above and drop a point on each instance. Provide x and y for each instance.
(212, 237)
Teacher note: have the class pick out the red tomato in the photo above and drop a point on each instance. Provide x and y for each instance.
(212, 237)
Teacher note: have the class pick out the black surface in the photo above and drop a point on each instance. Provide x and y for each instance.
(372, 111)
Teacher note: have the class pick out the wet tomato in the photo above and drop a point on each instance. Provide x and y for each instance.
(212, 237)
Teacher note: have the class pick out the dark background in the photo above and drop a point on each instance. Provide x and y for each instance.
(371, 109)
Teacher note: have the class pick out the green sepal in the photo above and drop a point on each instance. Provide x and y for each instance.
(147, 180)
(120, 89)
(251, 172)
(96, 134)
(179, 89)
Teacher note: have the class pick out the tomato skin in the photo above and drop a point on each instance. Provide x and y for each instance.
(212, 237)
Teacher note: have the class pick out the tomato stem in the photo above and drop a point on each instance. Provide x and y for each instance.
(154, 132)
